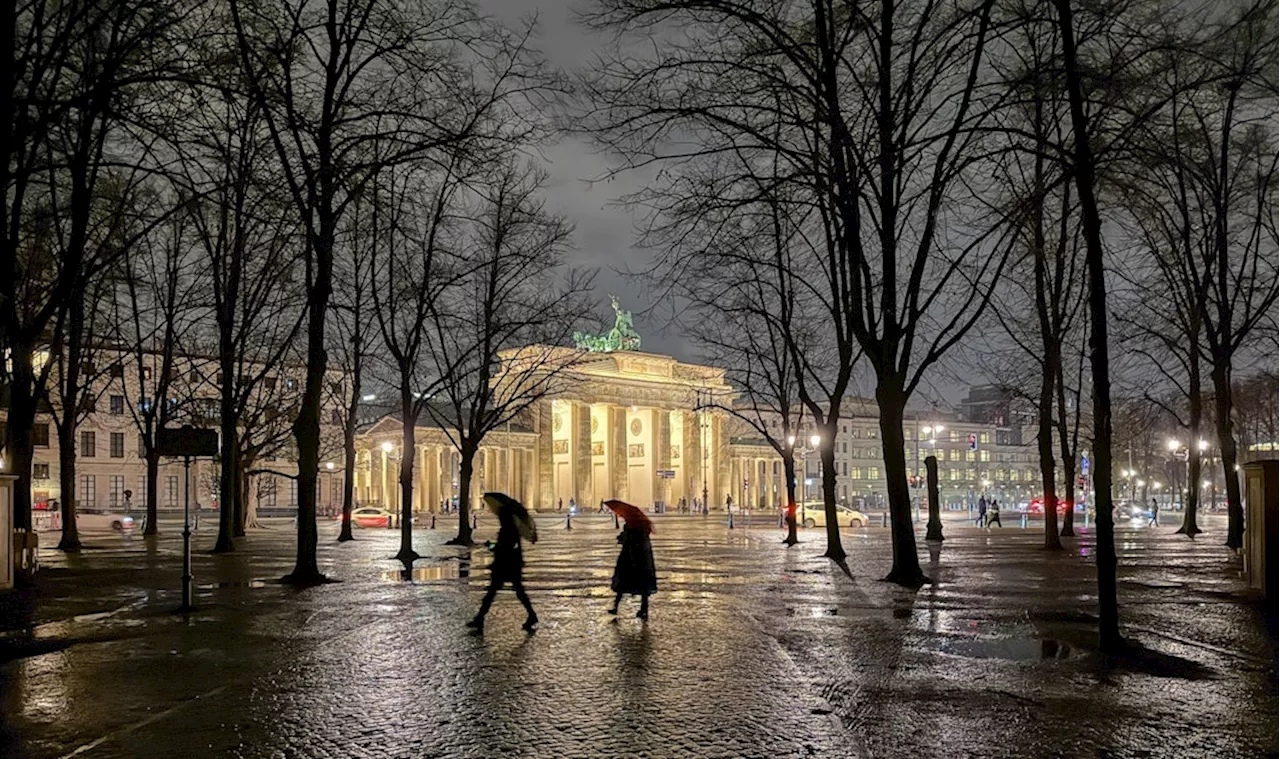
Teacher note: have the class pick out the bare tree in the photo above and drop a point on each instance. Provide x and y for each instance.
(335, 77)
(884, 146)
(494, 331)
(73, 89)
(411, 218)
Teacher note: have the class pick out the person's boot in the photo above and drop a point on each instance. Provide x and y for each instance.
(531, 622)
(644, 610)
(477, 624)
(613, 610)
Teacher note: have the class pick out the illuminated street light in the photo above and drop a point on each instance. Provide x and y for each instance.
(387, 446)
(1174, 445)
(814, 440)
(1203, 445)
(328, 465)
(369, 397)
(791, 439)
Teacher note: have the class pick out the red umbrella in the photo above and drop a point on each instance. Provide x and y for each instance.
(634, 516)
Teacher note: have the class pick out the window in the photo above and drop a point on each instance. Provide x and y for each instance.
(856, 473)
(856, 433)
(909, 433)
(89, 403)
(846, 467)
(955, 436)
(290, 383)
(88, 495)
(171, 491)
(86, 368)
(971, 456)
(117, 405)
(844, 429)
(971, 474)
(955, 475)
(40, 471)
(117, 371)
(1029, 475)
(142, 447)
(846, 447)
(88, 444)
(873, 473)
(335, 417)
(117, 445)
(984, 455)
(984, 437)
(267, 493)
(140, 495)
(146, 374)
(40, 435)
(953, 454)
(193, 377)
(293, 492)
(872, 434)
(116, 491)
(270, 383)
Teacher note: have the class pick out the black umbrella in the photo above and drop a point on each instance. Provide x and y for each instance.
(502, 504)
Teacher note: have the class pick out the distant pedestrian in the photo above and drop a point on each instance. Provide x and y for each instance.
(994, 514)
(559, 504)
(1155, 514)
(128, 501)
(634, 572)
(982, 511)
(508, 560)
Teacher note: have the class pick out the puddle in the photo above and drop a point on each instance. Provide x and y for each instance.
(238, 584)
(812, 611)
(1013, 649)
(450, 571)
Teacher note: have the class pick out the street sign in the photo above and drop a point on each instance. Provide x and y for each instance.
(973, 442)
(1084, 466)
(186, 441)
(666, 474)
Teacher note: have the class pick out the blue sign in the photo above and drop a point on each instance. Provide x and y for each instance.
(1084, 465)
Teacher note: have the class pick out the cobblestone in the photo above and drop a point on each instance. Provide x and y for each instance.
(752, 650)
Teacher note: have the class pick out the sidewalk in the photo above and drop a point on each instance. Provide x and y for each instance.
(753, 650)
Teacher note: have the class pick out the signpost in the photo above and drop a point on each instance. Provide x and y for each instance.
(187, 442)
(666, 474)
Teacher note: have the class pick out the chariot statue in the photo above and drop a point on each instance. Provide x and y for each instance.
(623, 336)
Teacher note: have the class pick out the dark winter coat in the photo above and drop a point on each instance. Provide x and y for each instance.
(508, 560)
(634, 573)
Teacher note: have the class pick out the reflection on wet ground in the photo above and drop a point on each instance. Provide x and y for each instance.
(752, 649)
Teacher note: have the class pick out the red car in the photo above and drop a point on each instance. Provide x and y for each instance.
(367, 516)
(1037, 505)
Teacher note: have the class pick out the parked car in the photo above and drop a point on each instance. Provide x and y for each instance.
(1131, 510)
(1036, 506)
(104, 520)
(368, 516)
(814, 514)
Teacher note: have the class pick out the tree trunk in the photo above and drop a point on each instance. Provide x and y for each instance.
(1195, 414)
(348, 479)
(892, 402)
(827, 455)
(1227, 445)
(70, 541)
(18, 443)
(230, 446)
(935, 515)
(237, 501)
(789, 476)
(1044, 442)
(408, 453)
(153, 494)
(467, 456)
(306, 428)
(1100, 365)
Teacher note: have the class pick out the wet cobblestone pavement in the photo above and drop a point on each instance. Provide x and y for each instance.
(752, 650)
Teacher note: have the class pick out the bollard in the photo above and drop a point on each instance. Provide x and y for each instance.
(433, 521)
(781, 520)
(884, 519)
(1024, 520)
(568, 521)
(475, 521)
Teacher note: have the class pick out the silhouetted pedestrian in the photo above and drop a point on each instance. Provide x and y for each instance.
(508, 559)
(1155, 514)
(982, 511)
(634, 574)
(994, 514)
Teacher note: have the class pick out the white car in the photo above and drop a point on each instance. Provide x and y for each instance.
(815, 515)
(106, 520)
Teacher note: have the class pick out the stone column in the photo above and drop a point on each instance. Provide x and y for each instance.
(382, 478)
(662, 452)
(618, 452)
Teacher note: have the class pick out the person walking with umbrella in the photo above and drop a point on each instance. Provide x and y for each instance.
(514, 522)
(634, 574)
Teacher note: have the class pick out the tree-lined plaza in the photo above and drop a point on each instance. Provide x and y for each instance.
(332, 232)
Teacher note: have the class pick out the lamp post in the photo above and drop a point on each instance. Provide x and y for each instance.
(804, 451)
(931, 430)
